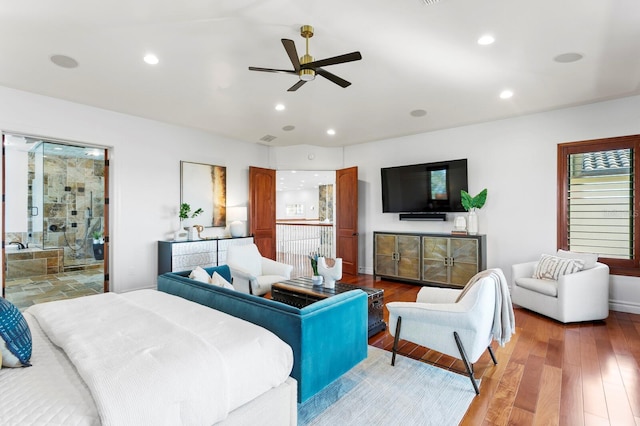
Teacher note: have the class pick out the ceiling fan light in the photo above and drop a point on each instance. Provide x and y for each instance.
(307, 75)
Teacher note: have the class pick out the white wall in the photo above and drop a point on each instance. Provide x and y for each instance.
(307, 197)
(306, 157)
(144, 173)
(516, 160)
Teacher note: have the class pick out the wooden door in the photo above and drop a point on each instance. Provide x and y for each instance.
(347, 219)
(105, 226)
(262, 210)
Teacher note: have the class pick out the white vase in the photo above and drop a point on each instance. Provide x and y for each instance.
(193, 233)
(316, 280)
(472, 223)
(331, 275)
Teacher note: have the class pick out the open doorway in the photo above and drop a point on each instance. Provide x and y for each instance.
(55, 219)
(305, 217)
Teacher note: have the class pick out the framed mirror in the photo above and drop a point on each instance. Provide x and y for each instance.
(204, 186)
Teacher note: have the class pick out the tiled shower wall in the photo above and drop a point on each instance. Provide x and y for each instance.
(71, 186)
(325, 202)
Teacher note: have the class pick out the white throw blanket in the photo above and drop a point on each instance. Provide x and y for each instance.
(504, 323)
(141, 368)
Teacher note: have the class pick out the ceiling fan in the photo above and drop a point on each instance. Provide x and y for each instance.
(306, 68)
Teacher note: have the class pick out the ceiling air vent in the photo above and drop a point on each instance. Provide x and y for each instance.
(428, 2)
(267, 138)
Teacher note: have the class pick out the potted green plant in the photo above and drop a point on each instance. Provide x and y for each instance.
(316, 278)
(471, 204)
(98, 245)
(185, 212)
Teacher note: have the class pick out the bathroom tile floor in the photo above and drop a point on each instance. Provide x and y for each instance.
(24, 292)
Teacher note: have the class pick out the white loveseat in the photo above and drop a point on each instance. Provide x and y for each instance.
(578, 296)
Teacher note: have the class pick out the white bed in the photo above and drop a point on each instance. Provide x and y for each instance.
(147, 357)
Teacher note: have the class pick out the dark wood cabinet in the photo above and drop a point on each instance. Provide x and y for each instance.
(440, 259)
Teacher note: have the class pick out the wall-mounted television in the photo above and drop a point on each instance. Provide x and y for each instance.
(424, 188)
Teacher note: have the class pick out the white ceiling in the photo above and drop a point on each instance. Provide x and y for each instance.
(415, 56)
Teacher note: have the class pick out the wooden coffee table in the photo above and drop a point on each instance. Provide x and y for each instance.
(300, 292)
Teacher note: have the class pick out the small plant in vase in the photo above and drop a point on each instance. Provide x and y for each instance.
(316, 278)
(98, 245)
(185, 212)
(471, 204)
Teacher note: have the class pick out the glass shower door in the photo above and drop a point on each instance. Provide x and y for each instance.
(35, 197)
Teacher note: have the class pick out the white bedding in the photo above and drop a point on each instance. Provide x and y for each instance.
(157, 333)
(50, 392)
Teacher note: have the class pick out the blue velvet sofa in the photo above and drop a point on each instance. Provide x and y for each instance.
(328, 337)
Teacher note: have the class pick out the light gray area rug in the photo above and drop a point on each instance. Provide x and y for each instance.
(375, 393)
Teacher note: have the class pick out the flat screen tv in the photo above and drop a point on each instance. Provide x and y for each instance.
(424, 188)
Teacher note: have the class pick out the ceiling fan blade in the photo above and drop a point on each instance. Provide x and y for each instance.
(290, 47)
(272, 70)
(348, 57)
(296, 86)
(332, 77)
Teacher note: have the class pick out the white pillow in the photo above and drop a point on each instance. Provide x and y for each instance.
(589, 259)
(219, 280)
(200, 274)
(552, 267)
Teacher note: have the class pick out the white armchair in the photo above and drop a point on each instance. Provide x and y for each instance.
(580, 296)
(461, 328)
(251, 273)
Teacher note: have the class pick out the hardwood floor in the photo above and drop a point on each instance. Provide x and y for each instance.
(549, 373)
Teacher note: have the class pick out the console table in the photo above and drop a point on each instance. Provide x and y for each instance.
(300, 292)
(429, 259)
(177, 256)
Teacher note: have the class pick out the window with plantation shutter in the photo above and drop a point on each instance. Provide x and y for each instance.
(596, 200)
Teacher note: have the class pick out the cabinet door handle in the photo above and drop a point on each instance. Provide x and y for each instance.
(451, 261)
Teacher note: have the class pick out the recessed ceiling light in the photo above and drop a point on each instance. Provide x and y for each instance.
(288, 128)
(506, 94)
(331, 132)
(279, 107)
(568, 57)
(486, 40)
(418, 113)
(64, 61)
(151, 59)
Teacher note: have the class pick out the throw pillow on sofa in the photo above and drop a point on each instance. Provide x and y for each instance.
(15, 336)
(217, 279)
(199, 274)
(589, 259)
(552, 267)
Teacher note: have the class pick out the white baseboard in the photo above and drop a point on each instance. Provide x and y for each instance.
(366, 270)
(623, 306)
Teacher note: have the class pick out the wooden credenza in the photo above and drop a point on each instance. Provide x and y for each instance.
(176, 256)
(429, 259)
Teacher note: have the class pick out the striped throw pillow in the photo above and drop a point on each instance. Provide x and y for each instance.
(552, 267)
(15, 336)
